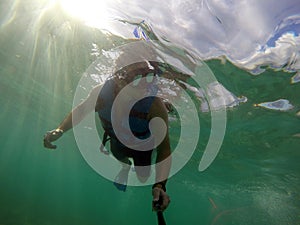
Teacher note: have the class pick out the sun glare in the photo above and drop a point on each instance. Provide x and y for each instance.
(92, 12)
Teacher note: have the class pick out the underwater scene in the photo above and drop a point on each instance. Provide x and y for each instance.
(229, 72)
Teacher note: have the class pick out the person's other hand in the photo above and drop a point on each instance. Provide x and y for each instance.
(51, 136)
(160, 199)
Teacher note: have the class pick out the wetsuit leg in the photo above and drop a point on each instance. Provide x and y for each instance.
(119, 151)
(142, 162)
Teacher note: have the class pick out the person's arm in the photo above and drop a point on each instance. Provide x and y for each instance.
(73, 118)
(163, 159)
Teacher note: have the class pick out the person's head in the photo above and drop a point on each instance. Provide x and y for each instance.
(140, 75)
(138, 69)
(138, 65)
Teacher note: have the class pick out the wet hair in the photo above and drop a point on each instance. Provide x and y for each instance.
(141, 55)
(129, 73)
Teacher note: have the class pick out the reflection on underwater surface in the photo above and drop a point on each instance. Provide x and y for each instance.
(43, 54)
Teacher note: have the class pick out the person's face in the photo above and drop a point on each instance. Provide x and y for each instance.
(142, 68)
(136, 89)
(142, 77)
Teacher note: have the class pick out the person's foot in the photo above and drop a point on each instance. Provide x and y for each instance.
(122, 177)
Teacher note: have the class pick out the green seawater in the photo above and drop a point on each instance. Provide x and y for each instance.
(255, 178)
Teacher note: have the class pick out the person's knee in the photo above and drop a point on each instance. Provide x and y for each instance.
(142, 179)
(143, 173)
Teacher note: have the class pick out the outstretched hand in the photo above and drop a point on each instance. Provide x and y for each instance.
(51, 136)
(160, 199)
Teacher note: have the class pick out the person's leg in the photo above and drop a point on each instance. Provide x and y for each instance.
(142, 163)
(119, 151)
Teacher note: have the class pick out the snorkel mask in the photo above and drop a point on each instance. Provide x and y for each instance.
(141, 75)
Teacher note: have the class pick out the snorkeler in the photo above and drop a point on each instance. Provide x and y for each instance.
(101, 100)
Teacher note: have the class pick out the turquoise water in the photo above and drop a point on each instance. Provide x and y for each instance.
(254, 179)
